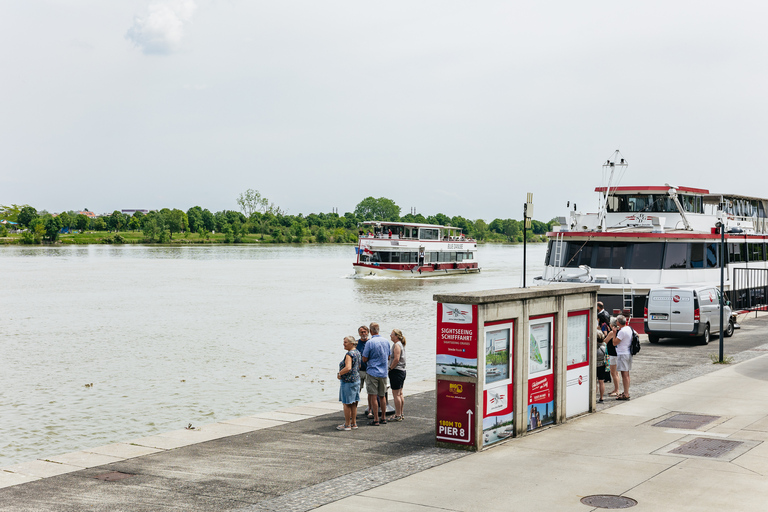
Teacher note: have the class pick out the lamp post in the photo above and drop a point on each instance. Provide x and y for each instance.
(527, 215)
(721, 227)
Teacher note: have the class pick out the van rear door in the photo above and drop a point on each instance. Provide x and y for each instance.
(681, 310)
(659, 310)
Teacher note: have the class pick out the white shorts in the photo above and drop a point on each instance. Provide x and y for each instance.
(624, 362)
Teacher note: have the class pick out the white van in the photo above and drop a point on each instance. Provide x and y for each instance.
(686, 312)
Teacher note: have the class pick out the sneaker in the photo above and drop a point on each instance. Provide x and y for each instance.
(343, 427)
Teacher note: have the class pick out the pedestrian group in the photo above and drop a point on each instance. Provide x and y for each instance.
(369, 361)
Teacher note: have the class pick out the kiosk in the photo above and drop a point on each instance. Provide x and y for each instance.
(513, 360)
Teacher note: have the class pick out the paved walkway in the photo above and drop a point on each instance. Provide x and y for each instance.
(293, 460)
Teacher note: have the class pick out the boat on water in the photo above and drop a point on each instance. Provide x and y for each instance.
(644, 237)
(404, 249)
(467, 372)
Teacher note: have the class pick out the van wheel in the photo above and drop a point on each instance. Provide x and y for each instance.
(704, 339)
(653, 338)
(728, 332)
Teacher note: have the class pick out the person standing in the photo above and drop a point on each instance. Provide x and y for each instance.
(397, 372)
(603, 318)
(603, 374)
(376, 354)
(349, 383)
(362, 331)
(621, 337)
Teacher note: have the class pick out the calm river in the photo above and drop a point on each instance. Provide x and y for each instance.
(175, 335)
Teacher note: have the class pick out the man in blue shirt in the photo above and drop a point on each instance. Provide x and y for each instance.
(362, 331)
(376, 355)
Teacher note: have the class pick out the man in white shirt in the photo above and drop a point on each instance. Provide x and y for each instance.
(621, 337)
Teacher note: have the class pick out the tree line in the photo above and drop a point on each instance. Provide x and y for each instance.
(257, 220)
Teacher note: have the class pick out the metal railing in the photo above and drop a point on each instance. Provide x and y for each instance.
(749, 290)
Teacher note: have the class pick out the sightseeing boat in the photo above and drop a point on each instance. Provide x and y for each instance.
(648, 236)
(405, 249)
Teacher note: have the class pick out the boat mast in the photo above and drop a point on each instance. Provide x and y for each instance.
(673, 194)
(609, 165)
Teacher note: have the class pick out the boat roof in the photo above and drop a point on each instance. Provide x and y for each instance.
(715, 198)
(404, 224)
(650, 189)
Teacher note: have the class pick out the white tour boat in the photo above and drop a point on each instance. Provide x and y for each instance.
(405, 249)
(648, 236)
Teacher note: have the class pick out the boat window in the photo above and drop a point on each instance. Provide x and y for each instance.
(697, 255)
(603, 259)
(586, 254)
(572, 254)
(470, 256)
(712, 252)
(432, 257)
(429, 234)
(734, 253)
(676, 256)
(646, 255)
(754, 252)
(547, 258)
(395, 257)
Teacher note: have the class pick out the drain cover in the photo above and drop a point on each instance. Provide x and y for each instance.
(608, 501)
(686, 421)
(705, 447)
(112, 476)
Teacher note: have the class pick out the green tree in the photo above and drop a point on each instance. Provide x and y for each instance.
(382, 208)
(252, 201)
(11, 213)
(26, 216)
(81, 222)
(52, 227)
(66, 221)
(195, 218)
(99, 224)
(115, 222)
(322, 236)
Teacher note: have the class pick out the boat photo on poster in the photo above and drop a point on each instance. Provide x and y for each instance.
(498, 419)
(541, 404)
(456, 352)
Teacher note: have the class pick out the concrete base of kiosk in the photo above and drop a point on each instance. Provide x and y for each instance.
(513, 360)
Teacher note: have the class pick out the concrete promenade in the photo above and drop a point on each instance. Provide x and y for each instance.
(294, 460)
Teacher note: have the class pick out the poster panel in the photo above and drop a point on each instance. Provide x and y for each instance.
(577, 384)
(541, 401)
(456, 340)
(498, 343)
(455, 408)
(498, 419)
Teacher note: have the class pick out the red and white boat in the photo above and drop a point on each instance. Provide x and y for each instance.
(405, 249)
(648, 236)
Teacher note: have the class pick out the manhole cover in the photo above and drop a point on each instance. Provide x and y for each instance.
(705, 447)
(608, 501)
(686, 421)
(112, 476)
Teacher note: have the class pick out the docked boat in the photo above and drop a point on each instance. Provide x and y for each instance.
(403, 249)
(648, 236)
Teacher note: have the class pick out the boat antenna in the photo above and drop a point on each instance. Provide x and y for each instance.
(609, 168)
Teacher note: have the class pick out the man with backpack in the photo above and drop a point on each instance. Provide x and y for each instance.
(621, 336)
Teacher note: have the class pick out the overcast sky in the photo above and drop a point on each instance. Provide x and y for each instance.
(445, 106)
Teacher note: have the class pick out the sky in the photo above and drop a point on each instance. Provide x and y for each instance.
(443, 106)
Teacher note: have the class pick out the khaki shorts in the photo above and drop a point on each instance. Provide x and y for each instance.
(363, 376)
(376, 385)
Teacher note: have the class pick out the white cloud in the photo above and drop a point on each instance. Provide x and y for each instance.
(161, 30)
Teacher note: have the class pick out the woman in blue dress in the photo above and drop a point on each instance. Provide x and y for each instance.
(349, 377)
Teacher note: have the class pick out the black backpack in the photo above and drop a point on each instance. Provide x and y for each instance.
(635, 347)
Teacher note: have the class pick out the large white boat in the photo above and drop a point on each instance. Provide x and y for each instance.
(649, 236)
(403, 249)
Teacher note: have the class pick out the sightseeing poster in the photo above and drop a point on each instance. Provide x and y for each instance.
(498, 420)
(455, 412)
(456, 340)
(498, 343)
(577, 384)
(541, 403)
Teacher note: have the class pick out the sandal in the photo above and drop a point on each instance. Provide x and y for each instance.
(622, 397)
(398, 418)
(374, 423)
(353, 427)
(383, 422)
(343, 427)
(615, 393)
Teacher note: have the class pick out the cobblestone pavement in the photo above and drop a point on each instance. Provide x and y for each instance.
(354, 483)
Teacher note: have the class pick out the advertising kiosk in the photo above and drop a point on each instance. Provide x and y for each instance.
(513, 360)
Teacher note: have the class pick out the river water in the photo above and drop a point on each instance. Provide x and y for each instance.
(169, 336)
